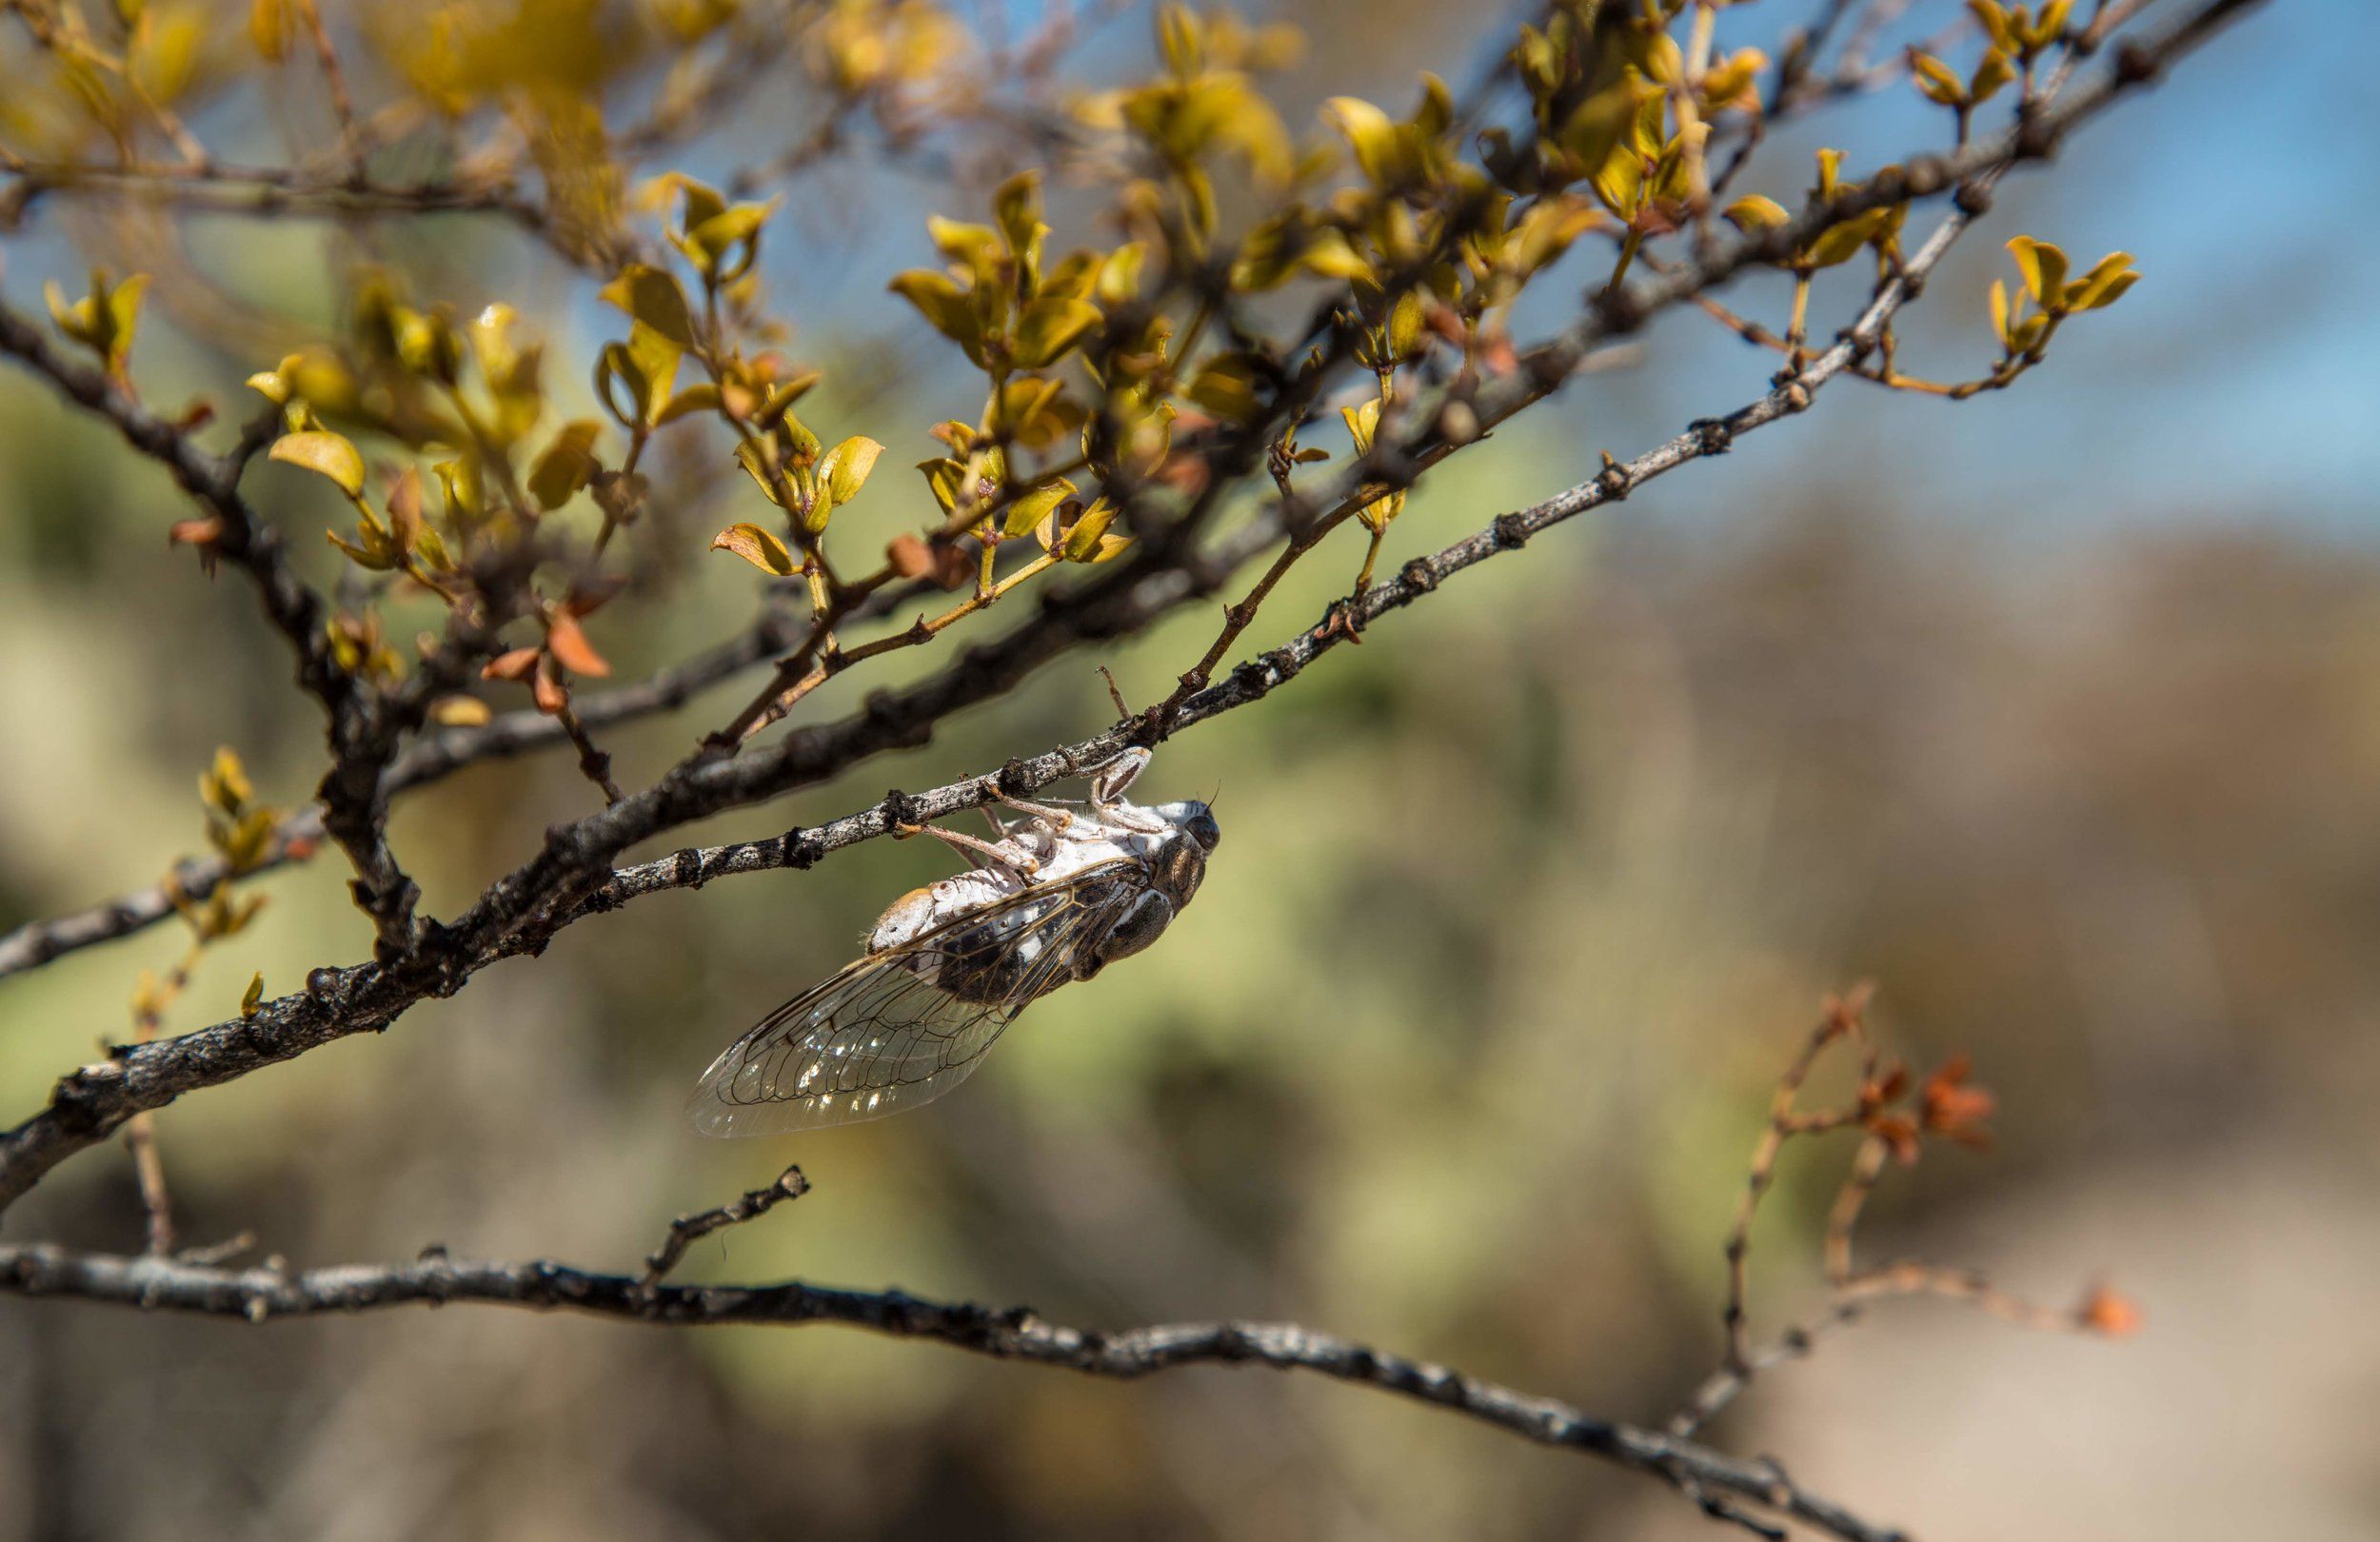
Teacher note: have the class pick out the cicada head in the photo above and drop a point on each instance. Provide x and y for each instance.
(1195, 820)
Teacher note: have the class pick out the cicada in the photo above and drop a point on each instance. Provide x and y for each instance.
(1052, 899)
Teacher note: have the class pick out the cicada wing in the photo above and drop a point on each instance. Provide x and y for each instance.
(901, 1027)
(874, 1039)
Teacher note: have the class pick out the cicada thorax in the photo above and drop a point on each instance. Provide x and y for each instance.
(1174, 872)
(1178, 870)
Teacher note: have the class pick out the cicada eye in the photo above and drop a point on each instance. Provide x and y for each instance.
(1201, 828)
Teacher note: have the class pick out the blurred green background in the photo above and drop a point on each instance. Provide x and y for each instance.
(2055, 713)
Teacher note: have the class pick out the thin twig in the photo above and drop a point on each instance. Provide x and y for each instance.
(687, 1230)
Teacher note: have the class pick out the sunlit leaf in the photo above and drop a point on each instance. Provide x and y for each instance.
(564, 465)
(326, 454)
(653, 296)
(760, 548)
(1031, 507)
(2042, 265)
(1752, 212)
(845, 469)
(1049, 327)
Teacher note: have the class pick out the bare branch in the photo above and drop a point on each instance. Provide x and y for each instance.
(1017, 1333)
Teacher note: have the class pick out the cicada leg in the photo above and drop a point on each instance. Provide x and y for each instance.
(1110, 779)
(1005, 855)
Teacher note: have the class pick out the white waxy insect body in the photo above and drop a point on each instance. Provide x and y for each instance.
(1053, 900)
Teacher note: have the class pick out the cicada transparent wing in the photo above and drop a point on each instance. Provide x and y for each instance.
(903, 1027)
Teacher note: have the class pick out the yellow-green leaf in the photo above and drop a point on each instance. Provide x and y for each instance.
(1018, 206)
(975, 247)
(1405, 321)
(1226, 388)
(223, 786)
(1119, 275)
(1328, 254)
(565, 465)
(1049, 327)
(656, 355)
(724, 229)
(1085, 540)
(1842, 243)
(1754, 212)
(1938, 80)
(268, 27)
(279, 384)
(1830, 171)
(761, 468)
(124, 307)
(1991, 76)
(326, 453)
(2108, 279)
(1031, 507)
(945, 307)
(702, 397)
(845, 468)
(1371, 133)
(2042, 265)
(1599, 125)
(757, 546)
(1994, 19)
(653, 296)
(1362, 422)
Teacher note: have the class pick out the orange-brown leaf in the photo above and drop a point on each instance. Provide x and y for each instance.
(567, 643)
(404, 508)
(908, 556)
(2109, 1311)
(548, 692)
(513, 665)
(1953, 1108)
(1899, 1134)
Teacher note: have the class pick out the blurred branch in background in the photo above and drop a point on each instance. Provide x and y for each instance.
(1893, 1127)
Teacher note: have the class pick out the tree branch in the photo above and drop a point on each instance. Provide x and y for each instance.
(265, 1294)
